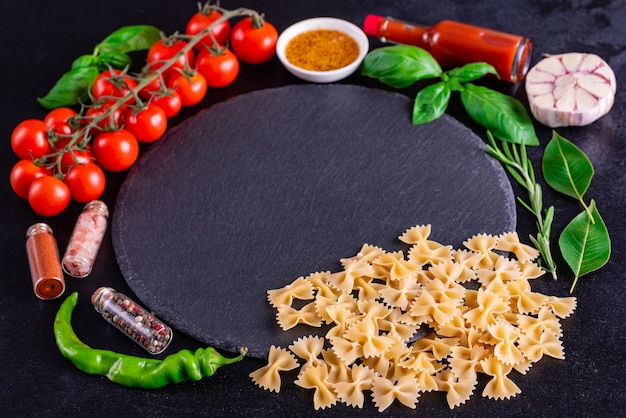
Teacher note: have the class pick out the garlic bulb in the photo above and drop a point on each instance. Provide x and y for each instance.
(572, 89)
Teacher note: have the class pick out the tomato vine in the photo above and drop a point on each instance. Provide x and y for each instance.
(117, 108)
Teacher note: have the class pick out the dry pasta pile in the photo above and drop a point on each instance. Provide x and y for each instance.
(380, 299)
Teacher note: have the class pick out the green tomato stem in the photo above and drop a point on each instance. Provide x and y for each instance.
(158, 73)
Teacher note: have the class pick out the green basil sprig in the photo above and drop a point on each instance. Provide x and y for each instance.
(585, 242)
(402, 65)
(73, 86)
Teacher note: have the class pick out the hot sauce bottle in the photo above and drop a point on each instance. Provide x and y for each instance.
(453, 44)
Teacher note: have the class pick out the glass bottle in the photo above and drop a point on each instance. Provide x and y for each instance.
(134, 321)
(453, 44)
(43, 261)
(86, 238)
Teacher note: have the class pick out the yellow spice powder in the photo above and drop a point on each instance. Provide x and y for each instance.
(322, 50)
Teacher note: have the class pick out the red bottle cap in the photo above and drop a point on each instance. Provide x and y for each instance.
(371, 25)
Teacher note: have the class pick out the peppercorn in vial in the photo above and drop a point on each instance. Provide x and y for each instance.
(134, 321)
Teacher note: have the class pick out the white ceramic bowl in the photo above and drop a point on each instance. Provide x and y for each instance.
(329, 23)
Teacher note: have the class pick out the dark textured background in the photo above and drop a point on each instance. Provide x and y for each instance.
(39, 42)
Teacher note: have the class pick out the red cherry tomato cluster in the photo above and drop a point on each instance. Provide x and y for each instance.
(65, 156)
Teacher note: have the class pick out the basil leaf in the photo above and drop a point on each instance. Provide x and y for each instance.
(503, 115)
(84, 61)
(470, 72)
(113, 59)
(130, 38)
(431, 102)
(585, 243)
(71, 87)
(400, 65)
(566, 168)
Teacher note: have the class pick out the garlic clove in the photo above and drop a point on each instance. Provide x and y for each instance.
(572, 89)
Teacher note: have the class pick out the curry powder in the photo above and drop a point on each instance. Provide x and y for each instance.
(322, 50)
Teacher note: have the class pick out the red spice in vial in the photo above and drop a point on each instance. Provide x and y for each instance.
(44, 263)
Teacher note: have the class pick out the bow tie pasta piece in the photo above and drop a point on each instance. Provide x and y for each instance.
(510, 242)
(482, 314)
(317, 378)
(350, 391)
(500, 386)
(267, 377)
(406, 390)
(299, 289)
(308, 349)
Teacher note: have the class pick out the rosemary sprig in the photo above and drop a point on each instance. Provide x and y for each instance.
(519, 166)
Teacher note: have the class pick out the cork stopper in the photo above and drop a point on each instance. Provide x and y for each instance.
(98, 297)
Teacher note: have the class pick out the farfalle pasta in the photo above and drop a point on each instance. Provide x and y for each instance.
(279, 360)
(431, 318)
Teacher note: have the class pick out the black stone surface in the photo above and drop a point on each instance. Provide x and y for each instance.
(40, 41)
(275, 184)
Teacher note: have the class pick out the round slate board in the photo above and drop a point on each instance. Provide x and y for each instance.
(254, 192)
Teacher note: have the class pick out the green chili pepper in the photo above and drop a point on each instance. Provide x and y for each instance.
(133, 371)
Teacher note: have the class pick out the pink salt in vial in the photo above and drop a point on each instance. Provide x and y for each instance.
(86, 238)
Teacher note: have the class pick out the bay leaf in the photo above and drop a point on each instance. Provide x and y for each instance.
(566, 168)
(585, 243)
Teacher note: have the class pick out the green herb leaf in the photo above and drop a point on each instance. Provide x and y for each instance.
(72, 87)
(400, 65)
(566, 168)
(113, 59)
(472, 71)
(431, 102)
(585, 243)
(84, 61)
(503, 115)
(130, 38)
(521, 169)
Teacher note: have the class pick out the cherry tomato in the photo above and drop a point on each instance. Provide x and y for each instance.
(190, 87)
(86, 182)
(253, 40)
(115, 151)
(112, 122)
(22, 175)
(58, 115)
(219, 68)
(30, 139)
(111, 84)
(157, 85)
(202, 20)
(162, 51)
(48, 196)
(74, 156)
(170, 103)
(147, 124)
(59, 120)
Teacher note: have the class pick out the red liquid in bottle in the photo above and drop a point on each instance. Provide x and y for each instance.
(454, 44)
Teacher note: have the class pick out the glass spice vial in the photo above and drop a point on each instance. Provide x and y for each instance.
(43, 261)
(86, 238)
(134, 321)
